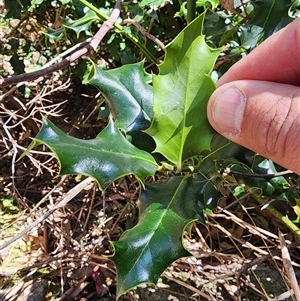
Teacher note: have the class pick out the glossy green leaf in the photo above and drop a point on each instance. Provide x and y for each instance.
(193, 195)
(130, 100)
(154, 4)
(181, 90)
(250, 180)
(55, 34)
(145, 251)
(222, 152)
(208, 193)
(82, 24)
(129, 96)
(266, 166)
(106, 158)
(269, 17)
(251, 36)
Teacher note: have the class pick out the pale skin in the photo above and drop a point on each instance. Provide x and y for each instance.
(257, 102)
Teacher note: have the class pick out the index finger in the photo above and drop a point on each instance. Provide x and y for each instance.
(277, 59)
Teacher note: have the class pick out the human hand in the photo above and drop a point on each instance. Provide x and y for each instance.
(257, 102)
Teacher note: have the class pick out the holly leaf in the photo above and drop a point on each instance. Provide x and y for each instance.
(130, 99)
(145, 251)
(153, 4)
(106, 158)
(55, 34)
(181, 90)
(222, 152)
(81, 24)
(244, 177)
(266, 166)
(187, 196)
(269, 17)
(129, 96)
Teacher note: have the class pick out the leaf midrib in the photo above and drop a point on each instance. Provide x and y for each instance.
(159, 222)
(104, 151)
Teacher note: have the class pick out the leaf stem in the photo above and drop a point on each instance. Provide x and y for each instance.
(99, 13)
(277, 214)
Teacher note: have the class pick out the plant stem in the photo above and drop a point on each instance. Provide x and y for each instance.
(120, 28)
(191, 10)
(277, 214)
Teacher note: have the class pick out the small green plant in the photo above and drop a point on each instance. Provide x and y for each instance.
(158, 126)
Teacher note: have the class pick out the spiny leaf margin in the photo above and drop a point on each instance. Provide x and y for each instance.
(129, 96)
(167, 208)
(106, 158)
(181, 91)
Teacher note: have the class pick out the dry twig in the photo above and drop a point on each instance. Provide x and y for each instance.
(288, 267)
(68, 197)
(145, 33)
(91, 46)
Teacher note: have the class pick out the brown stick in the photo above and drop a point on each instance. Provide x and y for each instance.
(88, 48)
(256, 175)
(145, 33)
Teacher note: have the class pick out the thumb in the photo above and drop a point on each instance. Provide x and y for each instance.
(262, 116)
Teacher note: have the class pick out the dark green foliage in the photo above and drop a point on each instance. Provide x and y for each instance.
(106, 158)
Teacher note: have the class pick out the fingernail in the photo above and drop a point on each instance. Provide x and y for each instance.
(228, 111)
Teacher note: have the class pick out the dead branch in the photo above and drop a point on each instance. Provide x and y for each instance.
(68, 197)
(145, 33)
(286, 259)
(90, 47)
